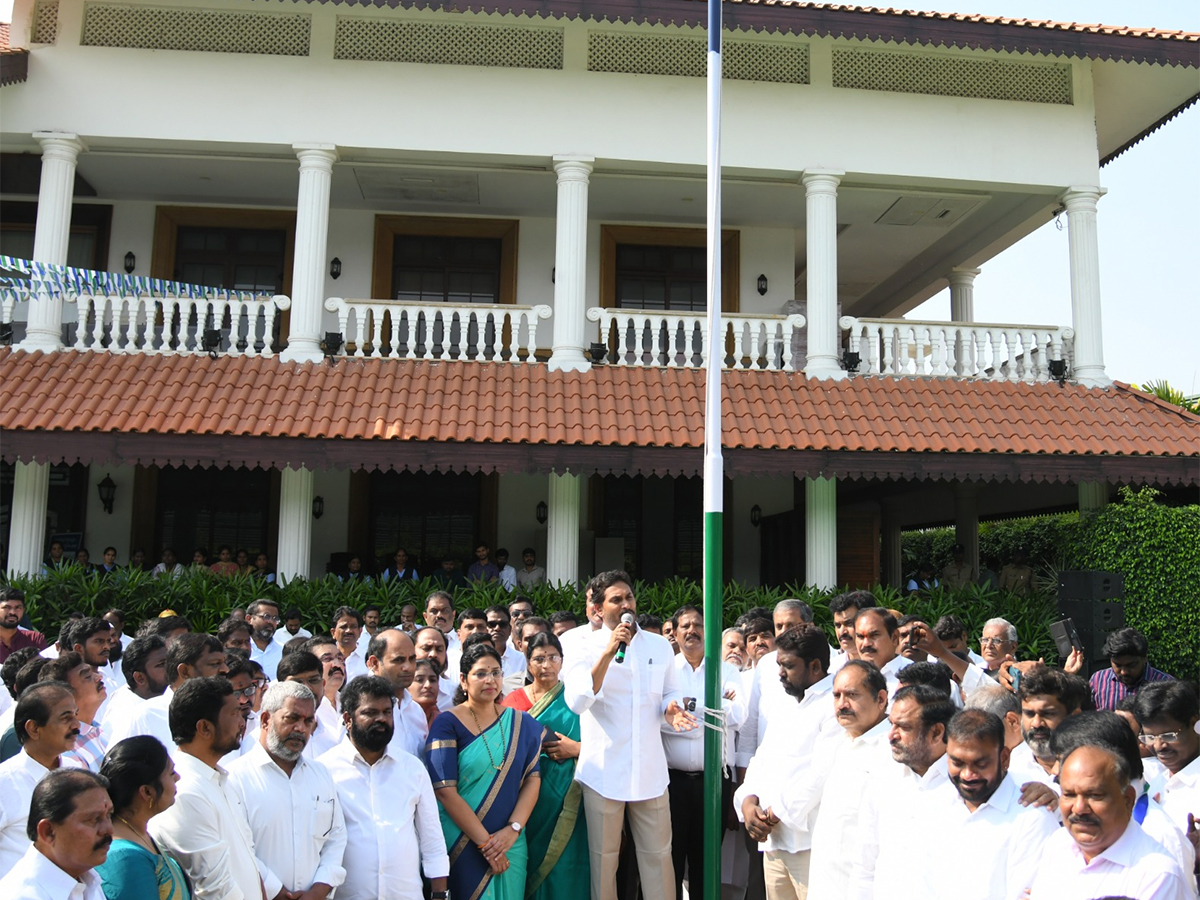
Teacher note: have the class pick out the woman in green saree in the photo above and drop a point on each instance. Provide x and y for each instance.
(483, 761)
(557, 832)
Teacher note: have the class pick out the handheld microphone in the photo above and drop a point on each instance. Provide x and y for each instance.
(626, 619)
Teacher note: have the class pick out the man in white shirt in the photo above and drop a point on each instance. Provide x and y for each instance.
(346, 628)
(144, 666)
(838, 776)
(392, 825)
(875, 637)
(471, 620)
(499, 626)
(439, 614)
(263, 618)
(802, 654)
(1047, 697)
(845, 609)
(987, 841)
(47, 726)
(508, 575)
(302, 667)
(889, 834)
(1101, 851)
(294, 813)
(291, 628)
(766, 690)
(333, 673)
(1168, 712)
(685, 750)
(206, 829)
(622, 766)
(191, 655)
(393, 657)
(70, 827)
(91, 638)
(372, 622)
(88, 688)
(430, 644)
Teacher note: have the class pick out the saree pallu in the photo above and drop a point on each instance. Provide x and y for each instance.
(559, 867)
(489, 784)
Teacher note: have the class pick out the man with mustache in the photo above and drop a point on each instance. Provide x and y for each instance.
(12, 636)
(845, 609)
(346, 629)
(803, 658)
(1169, 714)
(47, 726)
(392, 656)
(685, 750)
(263, 618)
(299, 831)
(890, 836)
(70, 830)
(430, 644)
(1047, 697)
(392, 824)
(206, 828)
(302, 667)
(1101, 850)
(875, 636)
(144, 666)
(987, 842)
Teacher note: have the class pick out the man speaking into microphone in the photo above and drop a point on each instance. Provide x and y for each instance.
(622, 684)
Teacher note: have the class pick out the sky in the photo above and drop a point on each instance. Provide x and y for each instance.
(1148, 225)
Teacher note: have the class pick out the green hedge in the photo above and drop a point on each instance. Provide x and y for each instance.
(1154, 545)
(206, 599)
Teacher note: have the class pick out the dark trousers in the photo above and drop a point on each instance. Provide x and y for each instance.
(686, 795)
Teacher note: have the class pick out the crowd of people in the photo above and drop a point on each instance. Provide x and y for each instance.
(496, 754)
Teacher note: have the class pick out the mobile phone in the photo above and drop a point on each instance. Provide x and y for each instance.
(1066, 638)
(1016, 678)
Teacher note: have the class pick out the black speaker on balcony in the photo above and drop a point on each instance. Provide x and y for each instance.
(1092, 600)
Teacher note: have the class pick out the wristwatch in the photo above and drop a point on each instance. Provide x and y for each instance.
(515, 826)
(440, 895)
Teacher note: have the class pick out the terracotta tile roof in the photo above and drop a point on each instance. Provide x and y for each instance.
(610, 406)
(14, 63)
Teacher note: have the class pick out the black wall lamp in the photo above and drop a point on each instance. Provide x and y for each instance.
(756, 515)
(130, 262)
(108, 492)
(212, 341)
(762, 285)
(335, 269)
(318, 506)
(333, 343)
(543, 512)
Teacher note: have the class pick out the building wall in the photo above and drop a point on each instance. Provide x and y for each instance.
(329, 533)
(529, 114)
(103, 529)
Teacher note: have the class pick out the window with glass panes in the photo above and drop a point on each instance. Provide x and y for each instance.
(242, 259)
(664, 278)
(443, 269)
(432, 515)
(208, 507)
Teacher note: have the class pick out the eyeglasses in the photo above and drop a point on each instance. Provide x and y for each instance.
(993, 642)
(1167, 737)
(494, 674)
(247, 693)
(274, 619)
(261, 683)
(545, 660)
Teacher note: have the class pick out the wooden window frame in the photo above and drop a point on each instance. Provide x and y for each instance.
(86, 218)
(388, 228)
(612, 235)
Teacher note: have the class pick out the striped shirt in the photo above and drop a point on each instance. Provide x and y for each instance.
(90, 748)
(1108, 691)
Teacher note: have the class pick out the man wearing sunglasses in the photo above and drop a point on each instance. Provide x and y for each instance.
(263, 616)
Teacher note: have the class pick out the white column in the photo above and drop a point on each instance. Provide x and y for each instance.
(1093, 497)
(308, 265)
(51, 234)
(570, 263)
(962, 294)
(966, 521)
(820, 532)
(1088, 367)
(27, 530)
(820, 225)
(295, 523)
(562, 530)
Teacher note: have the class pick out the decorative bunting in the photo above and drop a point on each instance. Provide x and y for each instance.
(22, 278)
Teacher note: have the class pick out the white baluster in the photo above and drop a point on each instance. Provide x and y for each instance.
(83, 308)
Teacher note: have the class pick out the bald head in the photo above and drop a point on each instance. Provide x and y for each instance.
(393, 656)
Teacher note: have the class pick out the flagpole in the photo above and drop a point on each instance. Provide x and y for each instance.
(714, 479)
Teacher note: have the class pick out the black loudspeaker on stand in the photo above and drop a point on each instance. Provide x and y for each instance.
(1093, 601)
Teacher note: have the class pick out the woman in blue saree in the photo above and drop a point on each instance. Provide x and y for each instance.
(483, 761)
(559, 866)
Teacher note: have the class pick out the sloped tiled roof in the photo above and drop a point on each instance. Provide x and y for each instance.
(14, 63)
(385, 407)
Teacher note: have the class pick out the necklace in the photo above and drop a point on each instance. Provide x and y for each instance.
(486, 745)
(141, 839)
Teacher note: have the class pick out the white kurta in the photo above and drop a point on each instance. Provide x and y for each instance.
(35, 877)
(685, 749)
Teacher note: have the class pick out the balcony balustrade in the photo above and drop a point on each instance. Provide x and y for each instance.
(236, 326)
(393, 329)
(680, 339)
(964, 349)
